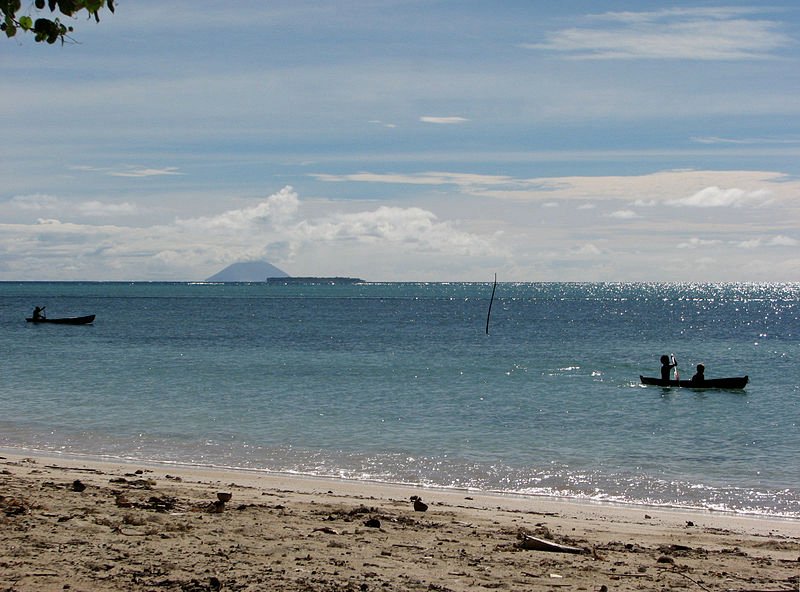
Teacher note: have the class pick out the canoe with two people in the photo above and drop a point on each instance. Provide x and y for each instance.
(698, 381)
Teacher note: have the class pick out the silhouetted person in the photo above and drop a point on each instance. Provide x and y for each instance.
(666, 367)
(700, 375)
(38, 313)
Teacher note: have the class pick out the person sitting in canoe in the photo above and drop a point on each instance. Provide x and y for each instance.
(38, 313)
(700, 376)
(666, 367)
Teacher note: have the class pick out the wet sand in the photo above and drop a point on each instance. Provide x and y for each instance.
(85, 526)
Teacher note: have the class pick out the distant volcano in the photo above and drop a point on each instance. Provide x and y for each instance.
(248, 271)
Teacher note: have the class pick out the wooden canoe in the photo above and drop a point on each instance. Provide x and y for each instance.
(85, 320)
(734, 382)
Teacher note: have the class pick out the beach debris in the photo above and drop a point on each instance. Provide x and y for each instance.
(136, 483)
(419, 505)
(154, 503)
(159, 504)
(78, 486)
(122, 501)
(532, 543)
(12, 506)
(675, 549)
(326, 530)
(213, 585)
(218, 506)
(372, 523)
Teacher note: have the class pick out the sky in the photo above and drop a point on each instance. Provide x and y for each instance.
(410, 140)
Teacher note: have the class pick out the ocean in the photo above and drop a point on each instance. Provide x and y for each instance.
(400, 383)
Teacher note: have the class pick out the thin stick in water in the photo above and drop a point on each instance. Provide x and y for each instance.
(494, 287)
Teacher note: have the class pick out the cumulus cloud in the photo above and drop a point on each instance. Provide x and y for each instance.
(276, 209)
(783, 241)
(414, 228)
(751, 243)
(694, 243)
(272, 229)
(623, 215)
(775, 241)
(716, 197)
(588, 250)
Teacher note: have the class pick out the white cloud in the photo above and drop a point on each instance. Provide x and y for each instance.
(465, 180)
(588, 250)
(670, 187)
(745, 141)
(689, 34)
(100, 209)
(716, 197)
(145, 172)
(623, 215)
(59, 207)
(783, 241)
(393, 237)
(694, 243)
(775, 241)
(443, 120)
(276, 209)
(35, 202)
(414, 228)
(382, 123)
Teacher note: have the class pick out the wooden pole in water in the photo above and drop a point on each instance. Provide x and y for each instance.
(494, 287)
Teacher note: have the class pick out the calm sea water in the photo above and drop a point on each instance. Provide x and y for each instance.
(400, 383)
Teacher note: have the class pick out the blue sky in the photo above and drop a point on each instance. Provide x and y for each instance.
(405, 140)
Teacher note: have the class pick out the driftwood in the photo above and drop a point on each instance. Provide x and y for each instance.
(532, 543)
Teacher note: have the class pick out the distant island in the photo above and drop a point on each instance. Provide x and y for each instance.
(248, 271)
(290, 280)
(261, 271)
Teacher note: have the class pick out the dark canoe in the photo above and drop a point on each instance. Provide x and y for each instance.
(734, 382)
(66, 320)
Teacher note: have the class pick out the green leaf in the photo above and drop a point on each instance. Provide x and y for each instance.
(26, 23)
(93, 5)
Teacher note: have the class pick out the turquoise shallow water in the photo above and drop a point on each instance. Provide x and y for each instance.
(400, 383)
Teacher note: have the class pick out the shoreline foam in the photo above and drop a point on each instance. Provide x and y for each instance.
(256, 473)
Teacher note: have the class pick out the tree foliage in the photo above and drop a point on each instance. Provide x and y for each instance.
(46, 29)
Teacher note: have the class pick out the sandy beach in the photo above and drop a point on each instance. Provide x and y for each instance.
(77, 525)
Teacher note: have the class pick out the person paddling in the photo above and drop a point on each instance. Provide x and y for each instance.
(38, 313)
(666, 367)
